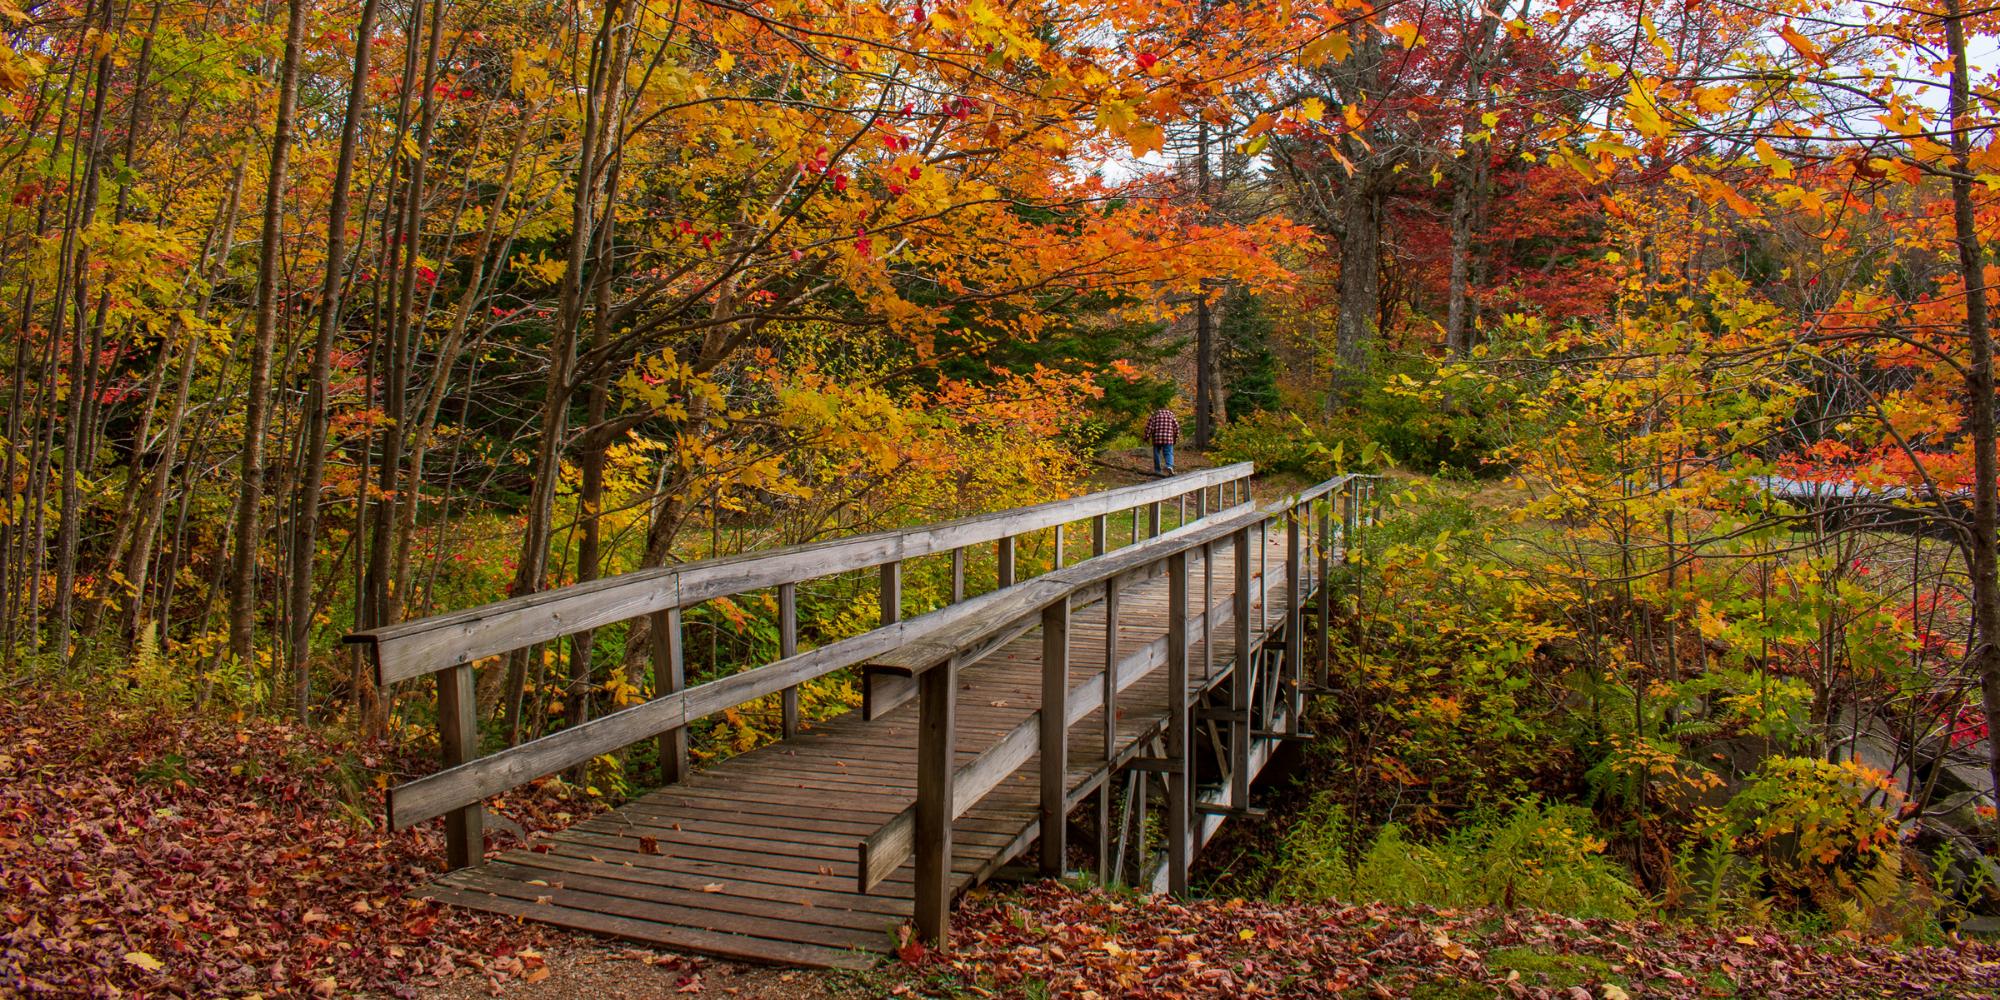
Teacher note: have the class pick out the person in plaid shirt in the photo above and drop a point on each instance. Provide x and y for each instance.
(1163, 429)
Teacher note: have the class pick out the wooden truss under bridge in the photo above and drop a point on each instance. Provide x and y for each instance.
(1175, 664)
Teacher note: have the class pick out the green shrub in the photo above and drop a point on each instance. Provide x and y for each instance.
(1287, 443)
(1540, 856)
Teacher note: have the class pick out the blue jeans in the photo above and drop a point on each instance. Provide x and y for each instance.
(1163, 458)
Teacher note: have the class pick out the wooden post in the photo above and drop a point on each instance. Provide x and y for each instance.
(1098, 532)
(1240, 679)
(1295, 619)
(458, 741)
(1003, 551)
(937, 737)
(788, 646)
(1111, 618)
(1325, 669)
(670, 675)
(1056, 559)
(1207, 610)
(1135, 525)
(1201, 503)
(1153, 519)
(1055, 736)
(958, 574)
(881, 692)
(892, 592)
(1180, 848)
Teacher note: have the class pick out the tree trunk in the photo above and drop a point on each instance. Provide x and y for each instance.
(305, 534)
(257, 408)
(1981, 555)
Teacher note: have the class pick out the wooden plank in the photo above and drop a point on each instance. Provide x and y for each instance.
(887, 906)
(676, 907)
(806, 913)
(650, 932)
(411, 649)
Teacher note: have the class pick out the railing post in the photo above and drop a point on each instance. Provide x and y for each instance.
(1207, 610)
(1295, 618)
(1325, 668)
(1201, 503)
(1180, 848)
(1135, 525)
(458, 742)
(937, 737)
(881, 692)
(1153, 519)
(958, 574)
(1055, 736)
(1105, 870)
(1241, 679)
(788, 646)
(1003, 551)
(1056, 559)
(670, 675)
(1099, 528)
(1111, 621)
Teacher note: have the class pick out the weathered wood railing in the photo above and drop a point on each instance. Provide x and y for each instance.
(1263, 706)
(449, 644)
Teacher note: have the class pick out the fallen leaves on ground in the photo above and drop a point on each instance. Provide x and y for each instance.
(151, 853)
(1058, 940)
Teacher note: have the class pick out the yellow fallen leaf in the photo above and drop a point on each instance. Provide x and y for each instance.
(1745, 939)
(1246, 934)
(712, 887)
(144, 961)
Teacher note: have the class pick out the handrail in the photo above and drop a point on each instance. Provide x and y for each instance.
(427, 645)
(452, 641)
(946, 790)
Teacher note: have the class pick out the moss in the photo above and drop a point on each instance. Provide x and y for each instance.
(1546, 969)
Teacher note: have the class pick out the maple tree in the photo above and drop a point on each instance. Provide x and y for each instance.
(330, 314)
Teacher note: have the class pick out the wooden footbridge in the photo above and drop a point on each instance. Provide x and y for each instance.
(1158, 673)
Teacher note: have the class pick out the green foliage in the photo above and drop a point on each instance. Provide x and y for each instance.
(1249, 370)
(1540, 856)
(1287, 443)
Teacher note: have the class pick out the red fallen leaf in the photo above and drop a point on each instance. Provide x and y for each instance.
(649, 845)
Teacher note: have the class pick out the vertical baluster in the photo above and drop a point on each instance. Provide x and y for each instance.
(788, 646)
(1153, 519)
(458, 743)
(1099, 534)
(1295, 618)
(958, 574)
(1056, 559)
(1241, 677)
(1180, 848)
(937, 737)
(882, 692)
(1325, 668)
(670, 675)
(1055, 736)
(1003, 551)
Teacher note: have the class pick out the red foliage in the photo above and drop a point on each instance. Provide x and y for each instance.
(147, 853)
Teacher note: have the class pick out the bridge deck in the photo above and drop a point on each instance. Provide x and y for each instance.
(755, 857)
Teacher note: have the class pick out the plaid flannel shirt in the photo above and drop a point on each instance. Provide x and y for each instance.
(1163, 428)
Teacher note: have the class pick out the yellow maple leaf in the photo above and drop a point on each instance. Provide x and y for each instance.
(1333, 45)
(1406, 33)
